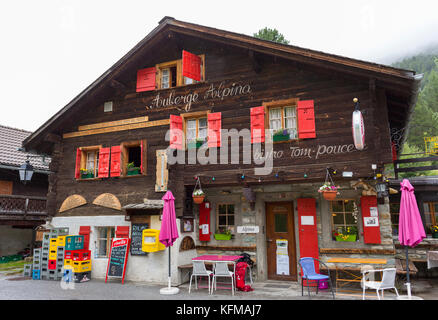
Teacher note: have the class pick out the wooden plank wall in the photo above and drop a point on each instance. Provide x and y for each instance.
(277, 79)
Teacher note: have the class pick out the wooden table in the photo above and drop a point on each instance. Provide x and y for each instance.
(349, 270)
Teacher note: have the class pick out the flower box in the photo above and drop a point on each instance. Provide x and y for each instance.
(281, 137)
(329, 195)
(347, 238)
(222, 236)
(435, 235)
(195, 144)
(133, 171)
(88, 175)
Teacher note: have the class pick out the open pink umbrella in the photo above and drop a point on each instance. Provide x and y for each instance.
(411, 230)
(168, 232)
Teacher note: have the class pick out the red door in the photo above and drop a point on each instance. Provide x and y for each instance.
(308, 234)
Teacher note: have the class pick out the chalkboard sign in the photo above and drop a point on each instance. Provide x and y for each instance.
(118, 258)
(136, 238)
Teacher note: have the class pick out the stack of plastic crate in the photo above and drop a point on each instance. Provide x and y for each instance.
(45, 256)
(36, 264)
(56, 252)
(77, 259)
(27, 271)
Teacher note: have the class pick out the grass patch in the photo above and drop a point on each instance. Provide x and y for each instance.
(12, 265)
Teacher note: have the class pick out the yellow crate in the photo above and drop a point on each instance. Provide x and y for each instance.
(61, 241)
(81, 266)
(68, 262)
(54, 242)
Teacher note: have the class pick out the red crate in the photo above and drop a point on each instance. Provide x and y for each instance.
(81, 255)
(52, 264)
(68, 254)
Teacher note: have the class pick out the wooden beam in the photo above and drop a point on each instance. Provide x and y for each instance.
(113, 123)
(117, 84)
(117, 128)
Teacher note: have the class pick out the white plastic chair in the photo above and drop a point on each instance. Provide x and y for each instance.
(199, 270)
(388, 281)
(221, 270)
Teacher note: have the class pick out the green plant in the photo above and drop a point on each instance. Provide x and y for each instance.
(223, 230)
(344, 232)
(434, 229)
(130, 165)
(281, 132)
(198, 192)
(327, 187)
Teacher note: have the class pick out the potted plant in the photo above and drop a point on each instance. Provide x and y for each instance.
(348, 234)
(132, 169)
(329, 191)
(281, 135)
(195, 143)
(198, 196)
(434, 230)
(223, 234)
(86, 173)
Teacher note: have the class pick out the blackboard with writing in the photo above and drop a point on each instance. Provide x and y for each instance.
(118, 258)
(136, 238)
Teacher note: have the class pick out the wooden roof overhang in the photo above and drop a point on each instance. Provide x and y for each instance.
(401, 86)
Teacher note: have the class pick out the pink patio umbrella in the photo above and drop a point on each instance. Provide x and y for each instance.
(168, 233)
(411, 230)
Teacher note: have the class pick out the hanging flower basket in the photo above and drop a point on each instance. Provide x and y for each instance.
(198, 199)
(198, 195)
(329, 195)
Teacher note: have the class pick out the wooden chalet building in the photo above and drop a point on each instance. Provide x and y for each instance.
(204, 81)
(22, 206)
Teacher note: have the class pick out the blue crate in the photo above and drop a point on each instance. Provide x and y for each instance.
(36, 274)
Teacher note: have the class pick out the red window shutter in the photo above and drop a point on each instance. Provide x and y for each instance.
(146, 79)
(85, 231)
(308, 233)
(306, 119)
(371, 233)
(214, 129)
(104, 155)
(116, 156)
(176, 132)
(78, 163)
(191, 65)
(258, 124)
(204, 220)
(122, 232)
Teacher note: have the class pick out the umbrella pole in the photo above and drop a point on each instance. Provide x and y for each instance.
(169, 267)
(169, 289)
(408, 283)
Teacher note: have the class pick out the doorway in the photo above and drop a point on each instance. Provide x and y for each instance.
(280, 241)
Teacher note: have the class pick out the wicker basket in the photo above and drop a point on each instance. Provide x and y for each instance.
(329, 195)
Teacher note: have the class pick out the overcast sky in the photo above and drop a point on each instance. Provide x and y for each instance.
(52, 50)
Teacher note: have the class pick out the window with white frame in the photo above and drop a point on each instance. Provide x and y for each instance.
(283, 120)
(104, 239)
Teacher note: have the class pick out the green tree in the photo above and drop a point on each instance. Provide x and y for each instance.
(271, 35)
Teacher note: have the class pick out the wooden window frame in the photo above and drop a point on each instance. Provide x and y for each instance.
(179, 77)
(190, 116)
(232, 227)
(431, 213)
(343, 212)
(125, 157)
(108, 240)
(84, 152)
(292, 102)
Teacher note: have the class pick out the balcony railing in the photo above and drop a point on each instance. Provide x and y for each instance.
(14, 205)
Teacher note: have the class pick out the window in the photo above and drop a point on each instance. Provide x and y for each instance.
(89, 162)
(394, 209)
(104, 238)
(344, 214)
(430, 215)
(169, 74)
(282, 119)
(133, 155)
(195, 127)
(225, 217)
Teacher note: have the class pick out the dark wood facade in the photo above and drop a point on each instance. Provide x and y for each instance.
(271, 71)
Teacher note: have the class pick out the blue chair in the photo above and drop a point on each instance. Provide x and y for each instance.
(309, 274)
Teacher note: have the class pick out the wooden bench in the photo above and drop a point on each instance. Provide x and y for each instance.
(400, 265)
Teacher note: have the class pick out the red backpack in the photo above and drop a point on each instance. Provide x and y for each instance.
(240, 277)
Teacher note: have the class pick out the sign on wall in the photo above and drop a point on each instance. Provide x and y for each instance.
(247, 229)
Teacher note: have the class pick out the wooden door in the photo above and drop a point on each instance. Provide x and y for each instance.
(280, 226)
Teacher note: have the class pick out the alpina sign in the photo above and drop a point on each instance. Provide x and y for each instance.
(184, 102)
